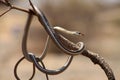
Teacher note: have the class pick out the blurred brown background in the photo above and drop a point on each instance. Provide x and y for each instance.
(99, 20)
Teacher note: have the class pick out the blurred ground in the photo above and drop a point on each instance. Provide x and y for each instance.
(99, 21)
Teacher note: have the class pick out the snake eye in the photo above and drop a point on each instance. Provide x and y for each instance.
(78, 33)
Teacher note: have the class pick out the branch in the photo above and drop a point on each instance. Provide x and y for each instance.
(5, 12)
(6, 3)
(96, 59)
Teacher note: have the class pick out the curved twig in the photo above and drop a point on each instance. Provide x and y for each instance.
(51, 72)
(42, 56)
(25, 35)
(33, 74)
(16, 66)
(44, 68)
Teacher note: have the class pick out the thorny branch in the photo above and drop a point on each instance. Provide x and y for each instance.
(94, 57)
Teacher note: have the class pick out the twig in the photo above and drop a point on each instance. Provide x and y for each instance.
(5, 12)
(6, 3)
